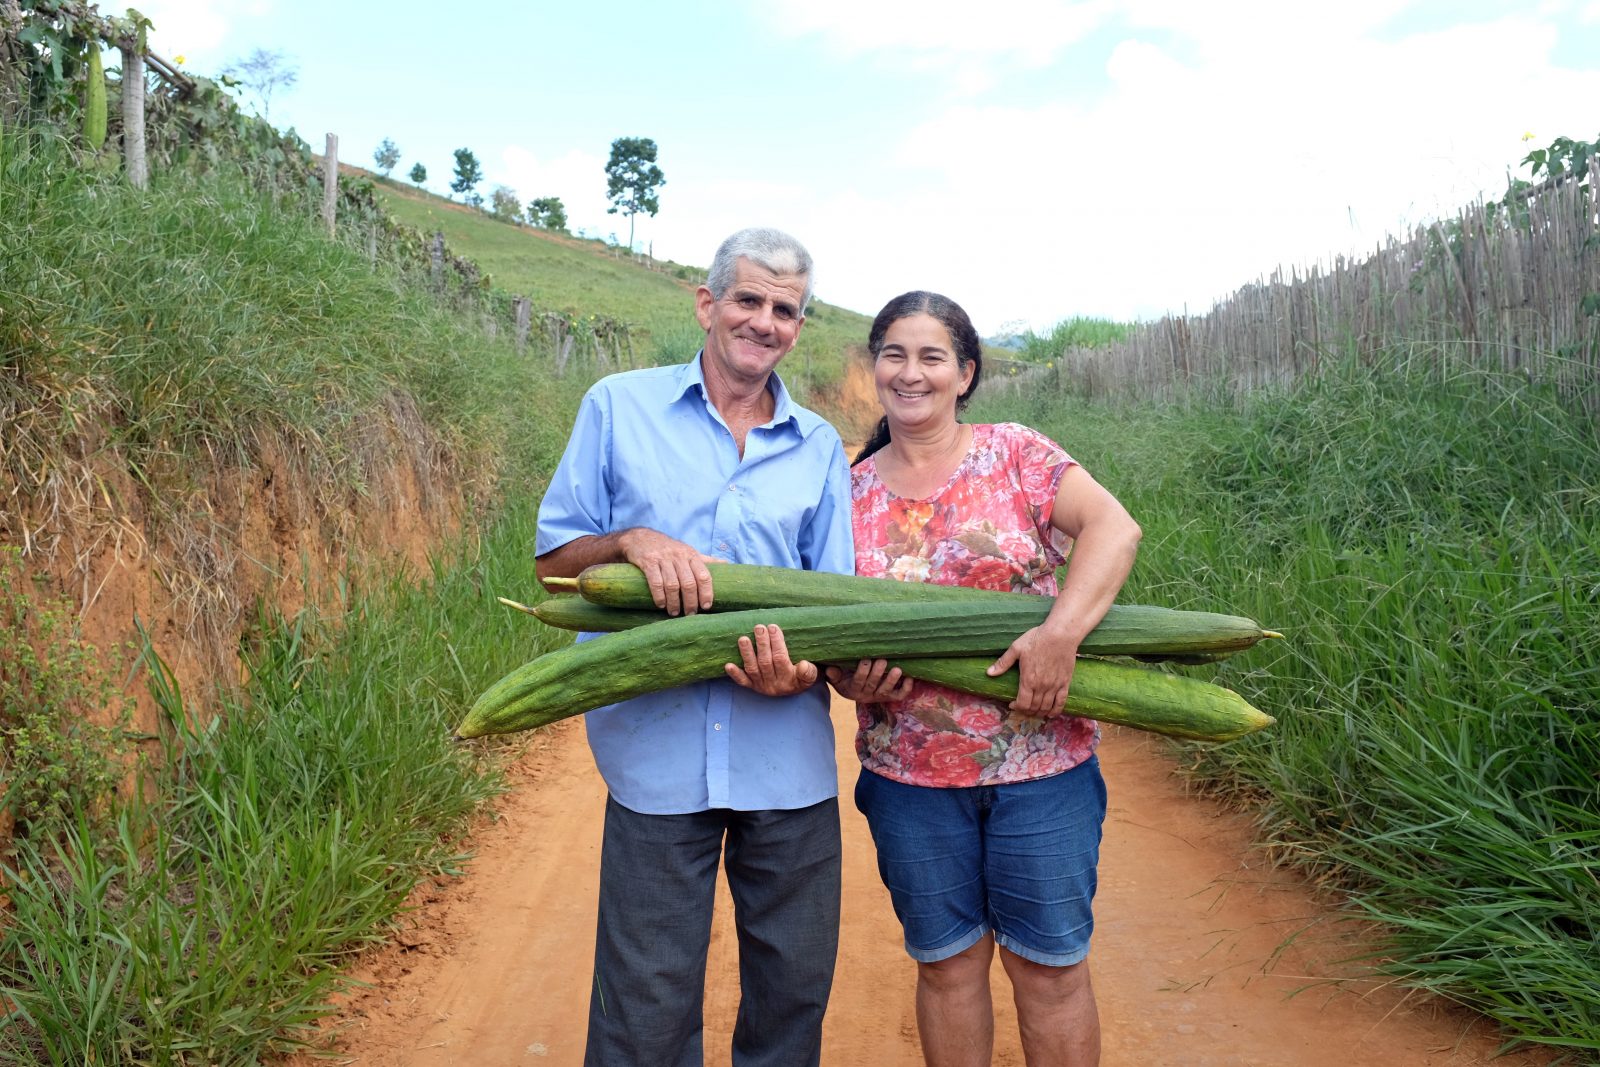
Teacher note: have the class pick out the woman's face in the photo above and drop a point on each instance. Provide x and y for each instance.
(917, 374)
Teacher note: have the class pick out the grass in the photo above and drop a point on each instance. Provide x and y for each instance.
(196, 317)
(1431, 547)
(283, 837)
(181, 326)
(574, 276)
(1075, 332)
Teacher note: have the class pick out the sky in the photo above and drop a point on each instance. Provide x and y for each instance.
(1033, 160)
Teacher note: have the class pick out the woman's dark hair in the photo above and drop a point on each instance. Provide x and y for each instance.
(963, 338)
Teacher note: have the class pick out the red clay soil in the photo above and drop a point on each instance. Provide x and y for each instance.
(1204, 954)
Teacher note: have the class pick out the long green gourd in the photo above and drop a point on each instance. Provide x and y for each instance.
(94, 99)
(742, 586)
(662, 654)
(1141, 697)
(746, 586)
(1127, 630)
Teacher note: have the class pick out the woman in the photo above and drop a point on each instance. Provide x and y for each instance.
(986, 817)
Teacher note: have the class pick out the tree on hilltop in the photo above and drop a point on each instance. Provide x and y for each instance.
(419, 174)
(263, 72)
(548, 212)
(632, 179)
(386, 156)
(504, 204)
(468, 175)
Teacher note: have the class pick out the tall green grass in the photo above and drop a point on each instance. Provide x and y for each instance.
(1430, 544)
(1079, 331)
(281, 835)
(282, 838)
(197, 316)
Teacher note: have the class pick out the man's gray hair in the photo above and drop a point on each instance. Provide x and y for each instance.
(770, 249)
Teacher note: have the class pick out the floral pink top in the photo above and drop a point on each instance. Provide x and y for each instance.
(989, 528)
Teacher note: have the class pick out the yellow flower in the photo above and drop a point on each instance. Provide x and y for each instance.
(178, 60)
(1528, 136)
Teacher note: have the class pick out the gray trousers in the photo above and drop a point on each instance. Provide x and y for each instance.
(657, 885)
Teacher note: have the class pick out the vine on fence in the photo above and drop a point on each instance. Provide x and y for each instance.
(1563, 158)
(607, 341)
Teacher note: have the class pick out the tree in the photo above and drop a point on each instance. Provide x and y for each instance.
(386, 156)
(264, 72)
(632, 179)
(419, 174)
(468, 175)
(548, 212)
(504, 203)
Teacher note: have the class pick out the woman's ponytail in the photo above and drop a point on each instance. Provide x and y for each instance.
(879, 438)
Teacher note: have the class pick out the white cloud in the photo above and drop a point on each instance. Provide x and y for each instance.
(1189, 178)
(576, 177)
(1031, 31)
(190, 26)
(963, 47)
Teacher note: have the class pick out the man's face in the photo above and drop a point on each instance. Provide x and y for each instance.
(753, 326)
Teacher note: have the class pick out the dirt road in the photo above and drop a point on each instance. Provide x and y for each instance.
(1196, 959)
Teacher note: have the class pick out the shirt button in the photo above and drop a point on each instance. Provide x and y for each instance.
(723, 546)
(733, 488)
(716, 726)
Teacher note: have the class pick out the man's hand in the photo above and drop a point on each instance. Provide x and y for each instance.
(1045, 663)
(767, 667)
(873, 681)
(676, 572)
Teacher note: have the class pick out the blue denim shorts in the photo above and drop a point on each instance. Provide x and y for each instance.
(1018, 859)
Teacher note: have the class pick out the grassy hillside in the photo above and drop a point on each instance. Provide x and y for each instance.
(165, 337)
(562, 273)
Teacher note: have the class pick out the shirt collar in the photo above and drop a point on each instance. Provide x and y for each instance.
(691, 376)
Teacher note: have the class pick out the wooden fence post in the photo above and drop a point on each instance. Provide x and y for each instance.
(523, 308)
(330, 181)
(436, 254)
(133, 114)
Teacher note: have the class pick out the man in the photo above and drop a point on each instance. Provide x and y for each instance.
(669, 468)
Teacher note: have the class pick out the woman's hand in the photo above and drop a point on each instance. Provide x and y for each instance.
(1045, 660)
(767, 667)
(873, 681)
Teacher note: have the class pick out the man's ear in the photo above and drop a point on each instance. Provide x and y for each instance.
(703, 300)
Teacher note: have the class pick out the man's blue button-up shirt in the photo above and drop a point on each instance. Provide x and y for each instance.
(650, 450)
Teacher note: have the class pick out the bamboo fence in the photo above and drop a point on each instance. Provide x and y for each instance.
(1510, 287)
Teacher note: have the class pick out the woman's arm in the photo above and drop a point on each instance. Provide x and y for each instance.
(1105, 541)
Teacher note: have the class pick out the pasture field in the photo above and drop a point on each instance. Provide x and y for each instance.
(579, 277)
